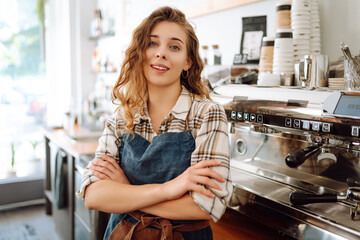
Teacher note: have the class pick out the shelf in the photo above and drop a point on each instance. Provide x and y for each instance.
(49, 195)
(25, 171)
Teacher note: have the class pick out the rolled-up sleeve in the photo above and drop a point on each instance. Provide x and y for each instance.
(108, 144)
(212, 142)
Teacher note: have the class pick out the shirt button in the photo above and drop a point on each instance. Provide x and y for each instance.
(163, 128)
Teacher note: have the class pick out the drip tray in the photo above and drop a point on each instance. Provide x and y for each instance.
(253, 190)
(292, 177)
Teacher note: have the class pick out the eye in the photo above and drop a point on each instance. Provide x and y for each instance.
(152, 44)
(176, 48)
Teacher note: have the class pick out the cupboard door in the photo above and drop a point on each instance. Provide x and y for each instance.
(80, 210)
(236, 226)
(81, 231)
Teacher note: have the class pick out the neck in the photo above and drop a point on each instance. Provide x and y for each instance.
(163, 99)
(160, 102)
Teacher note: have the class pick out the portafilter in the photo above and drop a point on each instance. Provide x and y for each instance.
(352, 195)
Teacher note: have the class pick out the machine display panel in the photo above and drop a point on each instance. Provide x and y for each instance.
(348, 105)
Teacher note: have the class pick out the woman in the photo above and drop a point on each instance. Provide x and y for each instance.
(163, 158)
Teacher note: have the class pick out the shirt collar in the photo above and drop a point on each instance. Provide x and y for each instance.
(182, 105)
(180, 110)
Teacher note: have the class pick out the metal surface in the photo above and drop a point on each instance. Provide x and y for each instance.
(268, 202)
(261, 171)
(262, 133)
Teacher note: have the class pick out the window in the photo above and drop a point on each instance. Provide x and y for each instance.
(22, 83)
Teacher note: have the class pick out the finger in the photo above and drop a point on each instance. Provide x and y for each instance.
(207, 182)
(200, 189)
(207, 163)
(100, 175)
(104, 164)
(96, 161)
(210, 173)
(110, 160)
(102, 170)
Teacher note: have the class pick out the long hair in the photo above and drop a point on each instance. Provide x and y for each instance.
(130, 90)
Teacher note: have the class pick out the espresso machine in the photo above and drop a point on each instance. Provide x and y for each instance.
(295, 159)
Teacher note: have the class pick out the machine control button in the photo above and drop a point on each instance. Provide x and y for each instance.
(316, 126)
(326, 127)
(239, 115)
(297, 123)
(252, 117)
(259, 118)
(246, 116)
(233, 114)
(354, 131)
(305, 124)
(288, 122)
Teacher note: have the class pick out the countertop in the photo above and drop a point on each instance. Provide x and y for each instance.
(62, 139)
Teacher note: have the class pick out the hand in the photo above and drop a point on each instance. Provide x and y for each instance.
(192, 178)
(107, 168)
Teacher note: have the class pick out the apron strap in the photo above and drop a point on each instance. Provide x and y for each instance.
(168, 231)
(160, 223)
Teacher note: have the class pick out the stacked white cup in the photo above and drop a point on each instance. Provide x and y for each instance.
(301, 27)
(315, 37)
(283, 60)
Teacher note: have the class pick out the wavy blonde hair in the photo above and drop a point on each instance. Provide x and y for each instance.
(130, 90)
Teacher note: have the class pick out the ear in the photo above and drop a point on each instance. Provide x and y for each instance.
(188, 65)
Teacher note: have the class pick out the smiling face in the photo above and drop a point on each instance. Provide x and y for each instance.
(166, 55)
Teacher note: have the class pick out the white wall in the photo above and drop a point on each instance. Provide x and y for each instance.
(84, 79)
(225, 28)
(339, 19)
(58, 60)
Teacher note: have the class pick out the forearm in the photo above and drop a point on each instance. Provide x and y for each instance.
(183, 208)
(115, 197)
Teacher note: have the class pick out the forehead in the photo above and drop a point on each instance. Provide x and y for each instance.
(169, 30)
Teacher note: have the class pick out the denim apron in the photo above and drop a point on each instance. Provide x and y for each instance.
(159, 161)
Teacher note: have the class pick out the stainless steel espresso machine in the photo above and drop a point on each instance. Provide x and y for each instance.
(295, 159)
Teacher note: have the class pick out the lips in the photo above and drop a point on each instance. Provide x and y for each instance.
(159, 67)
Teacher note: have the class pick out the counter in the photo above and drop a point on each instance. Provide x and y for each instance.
(66, 158)
(62, 139)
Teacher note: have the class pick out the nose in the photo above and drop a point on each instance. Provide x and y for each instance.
(161, 53)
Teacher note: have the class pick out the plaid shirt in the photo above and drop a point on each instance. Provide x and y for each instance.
(208, 124)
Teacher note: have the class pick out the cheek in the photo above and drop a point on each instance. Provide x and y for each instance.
(147, 55)
(183, 62)
(149, 52)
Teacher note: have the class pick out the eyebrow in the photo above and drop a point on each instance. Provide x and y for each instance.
(173, 38)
